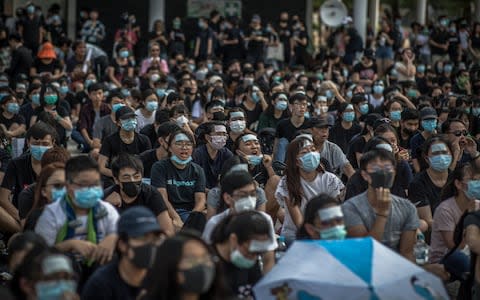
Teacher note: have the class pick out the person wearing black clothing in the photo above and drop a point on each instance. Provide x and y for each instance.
(31, 29)
(285, 36)
(180, 181)
(439, 41)
(140, 235)
(203, 41)
(238, 255)
(212, 155)
(125, 140)
(151, 156)
(22, 59)
(232, 39)
(345, 128)
(256, 38)
(129, 190)
(22, 171)
(177, 38)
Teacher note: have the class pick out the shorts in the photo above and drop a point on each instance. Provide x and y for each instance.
(384, 52)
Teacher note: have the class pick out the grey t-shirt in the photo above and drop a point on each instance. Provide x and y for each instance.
(104, 127)
(403, 217)
(335, 156)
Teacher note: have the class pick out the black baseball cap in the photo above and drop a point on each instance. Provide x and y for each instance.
(124, 113)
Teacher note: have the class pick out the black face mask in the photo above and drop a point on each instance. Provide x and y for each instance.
(198, 279)
(382, 178)
(408, 131)
(144, 256)
(219, 116)
(131, 189)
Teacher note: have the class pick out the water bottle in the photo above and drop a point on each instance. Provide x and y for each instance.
(421, 250)
(281, 249)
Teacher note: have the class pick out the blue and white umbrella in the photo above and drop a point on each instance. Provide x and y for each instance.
(347, 269)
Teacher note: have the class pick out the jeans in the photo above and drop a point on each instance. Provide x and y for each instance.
(183, 213)
(281, 149)
(79, 139)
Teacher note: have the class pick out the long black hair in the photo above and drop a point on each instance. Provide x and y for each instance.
(164, 285)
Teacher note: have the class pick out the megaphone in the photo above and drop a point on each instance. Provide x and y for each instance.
(333, 12)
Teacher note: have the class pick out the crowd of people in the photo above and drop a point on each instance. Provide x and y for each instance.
(200, 156)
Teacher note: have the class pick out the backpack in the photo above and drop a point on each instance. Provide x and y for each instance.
(266, 137)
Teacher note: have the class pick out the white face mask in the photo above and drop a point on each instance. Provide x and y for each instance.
(181, 121)
(237, 126)
(245, 204)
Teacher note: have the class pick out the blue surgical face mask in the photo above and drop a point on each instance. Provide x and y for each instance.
(429, 125)
(447, 68)
(348, 116)
(48, 290)
(38, 151)
(117, 106)
(310, 161)
(364, 108)
(329, 94)
(51, 99)
(333, 233)
(396, 115)
(421, 69)
(240, 261)
(64, 89)
(36, 99)
(378, 89)
(476, 111)
(13, 108)
(58, 194)
(440, 162)
(129, 125)
(151, 105)
(281, 105)
(179, 161)
(255, 97)
(88, 197)
(255, 160)
(306, 114)
(349, 94)
(160, 92)
(89, 82)
(473, 189)
(123, 54)
(125, 92)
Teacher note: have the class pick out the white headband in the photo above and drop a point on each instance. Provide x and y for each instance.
(249, 137)
(181, 137)
(236, 114)
(387, 147)
(330, 213)
(220, 128)
(438, 147)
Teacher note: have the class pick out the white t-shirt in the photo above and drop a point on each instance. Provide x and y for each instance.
(213, 222)
(325, 183)
(53, 218)
(402, 77)
(143, 121)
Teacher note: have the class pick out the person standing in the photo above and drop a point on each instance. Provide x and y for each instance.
(93, 31)
(31, 29)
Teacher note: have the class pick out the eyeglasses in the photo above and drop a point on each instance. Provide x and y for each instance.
(459, 133)
(186, 145)
(304, 104)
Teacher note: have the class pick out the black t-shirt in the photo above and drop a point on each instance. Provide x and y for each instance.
(18, 118)
(151, 133)
(365, 73)
(106, 283)
(255, 46)
(31, 30)
(356, 146)
(204, 35)
(342, 136)
(252, 115)
(240, 281)
(113, 145)
(27, 111)
(211, 167)
(423, 192)
(44, 68)
(148, 197)
(285, 129)
(439, 37)
(19, 175)
(148, 158)
(25, 200)
(181, 184)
